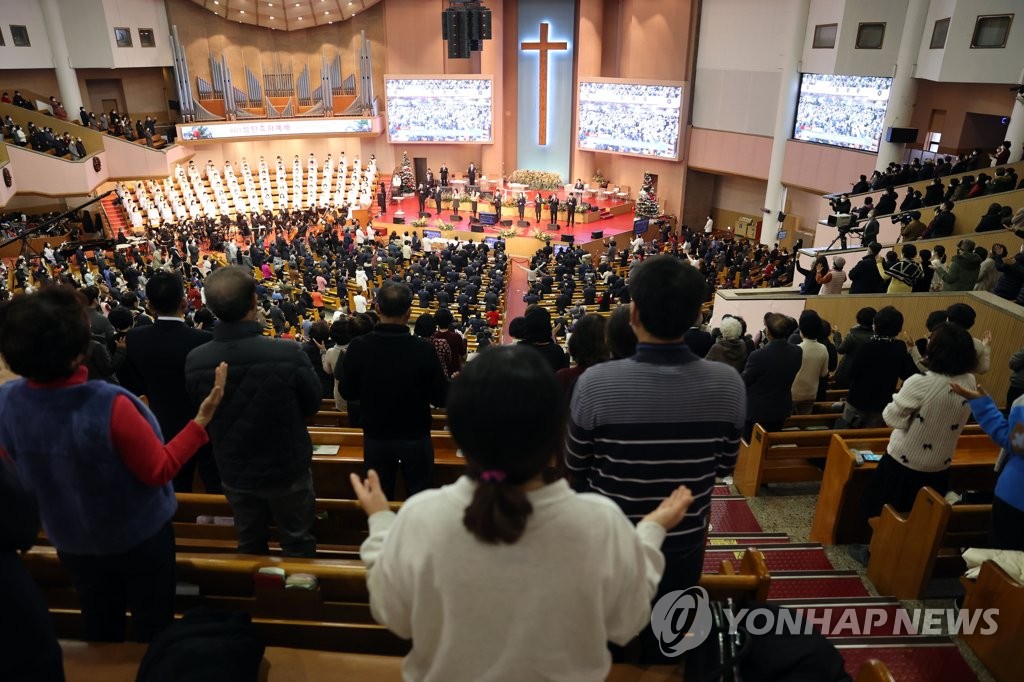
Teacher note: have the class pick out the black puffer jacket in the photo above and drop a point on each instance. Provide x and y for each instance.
(259, 432)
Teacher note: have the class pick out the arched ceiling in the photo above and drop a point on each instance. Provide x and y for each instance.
(287, 15)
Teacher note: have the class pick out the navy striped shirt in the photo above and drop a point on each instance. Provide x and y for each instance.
(642, 426)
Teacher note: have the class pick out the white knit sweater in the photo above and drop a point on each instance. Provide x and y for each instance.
(542, 608)
(927, 418)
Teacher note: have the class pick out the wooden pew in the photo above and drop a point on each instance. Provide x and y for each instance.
(331, 417)
(119, 662)
(837, 516)
(336, 617)
(340, 525)
(786, 456)
(908, 551)
(1000, 651)
(330, 472)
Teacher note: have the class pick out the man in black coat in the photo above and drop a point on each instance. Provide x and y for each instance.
(154, 366)
(769, 376)
(437, 200)
(865, 277)
(259, 434)
(396, 377)
(698, 340)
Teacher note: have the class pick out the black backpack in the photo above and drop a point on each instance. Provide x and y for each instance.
(205, 646)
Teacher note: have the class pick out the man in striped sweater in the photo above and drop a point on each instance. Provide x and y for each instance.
(644, 425)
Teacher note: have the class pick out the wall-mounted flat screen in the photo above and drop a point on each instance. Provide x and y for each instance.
(627, 117)
(845, 111)
(439, 109)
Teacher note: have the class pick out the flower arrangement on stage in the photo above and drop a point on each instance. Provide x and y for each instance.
(509, 201)
(535, 179)
(508, 232)
(541, 235)
(420, 222)
(445, 226)
(598, 179)
(646, 201)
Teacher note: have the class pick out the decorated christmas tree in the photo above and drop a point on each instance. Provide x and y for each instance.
(646, 201)
(405, 172)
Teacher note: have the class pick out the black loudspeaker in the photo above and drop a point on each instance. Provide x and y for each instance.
(781, 217)
(399, 220)
(506, 223)
(567, 238)
(523, 223)
(424, 214)
(454, 218)
(597, 234)
(476, 227)
(901, 135)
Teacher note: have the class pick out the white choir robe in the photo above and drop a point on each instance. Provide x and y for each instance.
(296, 184)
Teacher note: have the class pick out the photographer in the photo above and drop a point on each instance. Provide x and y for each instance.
(912, 228)
(840, 205)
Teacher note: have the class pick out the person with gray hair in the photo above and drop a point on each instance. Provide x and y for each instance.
(730, 348)
(832, 281)
(265, 472)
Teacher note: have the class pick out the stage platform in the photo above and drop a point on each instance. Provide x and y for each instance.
(620, 219)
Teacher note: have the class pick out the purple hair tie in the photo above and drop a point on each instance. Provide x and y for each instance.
(493, 476)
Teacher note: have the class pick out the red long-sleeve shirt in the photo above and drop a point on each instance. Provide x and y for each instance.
(141, 451)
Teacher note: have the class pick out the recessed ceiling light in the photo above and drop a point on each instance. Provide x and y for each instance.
(271, 17)
(327, 12)
(300, 18)
(330, 22)
(241, 11)
(215, 2)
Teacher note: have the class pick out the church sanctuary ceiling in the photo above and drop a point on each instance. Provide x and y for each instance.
(291, 15)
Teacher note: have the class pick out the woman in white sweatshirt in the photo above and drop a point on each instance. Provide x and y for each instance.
(927, 419)
(502, 576)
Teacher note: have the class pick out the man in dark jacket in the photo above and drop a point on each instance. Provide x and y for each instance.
(865, 277)
(769, 376)
(962, 272)
(154, 366)
(265, 468)
(854, 339)
(396, 377)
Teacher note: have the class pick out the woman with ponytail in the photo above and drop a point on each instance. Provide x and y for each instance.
(502, 575)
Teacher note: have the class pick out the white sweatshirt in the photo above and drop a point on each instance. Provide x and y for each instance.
(542, 608)
(927, 419)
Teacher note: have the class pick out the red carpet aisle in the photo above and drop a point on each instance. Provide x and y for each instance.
(802, 577)
(517, 287)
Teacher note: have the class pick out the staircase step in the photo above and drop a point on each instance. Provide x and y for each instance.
(779, 558)
(732, 515)
(909, 659)
(746, 539)
(858, 617)
(815, 584)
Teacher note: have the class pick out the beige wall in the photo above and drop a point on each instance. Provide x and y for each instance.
(426, 55)
(639, 39)
(957, 100)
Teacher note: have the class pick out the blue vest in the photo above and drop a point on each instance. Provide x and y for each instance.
(59, 439)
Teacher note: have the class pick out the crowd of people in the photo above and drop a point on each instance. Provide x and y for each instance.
(439, 110)
(629, 118)
(207, 393)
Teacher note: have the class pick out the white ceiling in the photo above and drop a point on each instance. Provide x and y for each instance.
(288, 15)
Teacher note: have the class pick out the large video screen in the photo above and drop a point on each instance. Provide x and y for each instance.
(627, 117)
(439, 109)
(845, 111)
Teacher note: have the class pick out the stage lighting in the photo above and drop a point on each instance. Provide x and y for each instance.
(465, 25)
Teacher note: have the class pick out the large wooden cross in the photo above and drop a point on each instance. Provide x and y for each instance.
(543, 47)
